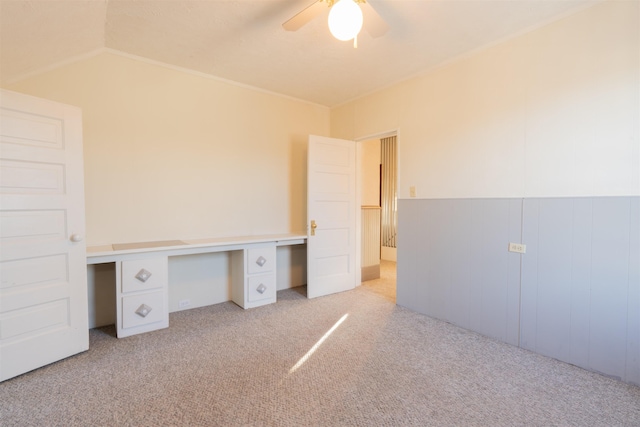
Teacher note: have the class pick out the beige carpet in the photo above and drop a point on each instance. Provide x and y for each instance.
(386, 284)
(381, 366)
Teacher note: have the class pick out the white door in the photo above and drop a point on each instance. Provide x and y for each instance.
(43, 286)
(331, 210)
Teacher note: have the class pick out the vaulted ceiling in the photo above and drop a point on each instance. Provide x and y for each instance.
(243, 40)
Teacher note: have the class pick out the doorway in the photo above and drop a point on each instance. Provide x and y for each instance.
(378, 198)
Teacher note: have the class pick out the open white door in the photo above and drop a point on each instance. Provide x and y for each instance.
(331, 210)
(43, 272)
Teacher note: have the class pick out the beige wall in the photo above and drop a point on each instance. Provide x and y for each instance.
(175, 155)
(553, 112)
(171, 155)
(370, 172)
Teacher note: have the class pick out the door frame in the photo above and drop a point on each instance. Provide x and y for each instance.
(359, 141)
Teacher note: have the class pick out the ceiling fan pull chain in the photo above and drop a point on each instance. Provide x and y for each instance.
(355, 42)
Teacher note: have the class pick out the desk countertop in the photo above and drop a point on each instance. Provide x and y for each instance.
(114, 252)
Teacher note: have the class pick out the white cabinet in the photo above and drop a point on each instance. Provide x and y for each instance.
(254, 276)
(142, 288)
(142, 295)
(261, 289)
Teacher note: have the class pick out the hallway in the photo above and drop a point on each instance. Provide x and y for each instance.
(386, 284)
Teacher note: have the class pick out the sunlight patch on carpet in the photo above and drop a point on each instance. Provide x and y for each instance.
(306, 357)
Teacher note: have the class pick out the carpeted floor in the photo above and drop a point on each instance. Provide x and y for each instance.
(386, 284)
(382, 365)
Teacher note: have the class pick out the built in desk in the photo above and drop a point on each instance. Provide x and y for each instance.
(142, 291)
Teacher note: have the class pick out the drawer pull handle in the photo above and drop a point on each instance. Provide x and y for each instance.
(143, 310)
(261, 261)
(143, 275)
(261, 288)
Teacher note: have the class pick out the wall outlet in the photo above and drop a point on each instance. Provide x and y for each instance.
(184, 303)
(412, 191)
(517, 247)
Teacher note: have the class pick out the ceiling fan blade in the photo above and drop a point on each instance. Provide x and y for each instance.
(373, 23)
(305, 16)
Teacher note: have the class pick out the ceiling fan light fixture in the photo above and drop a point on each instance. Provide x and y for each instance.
(345, 20)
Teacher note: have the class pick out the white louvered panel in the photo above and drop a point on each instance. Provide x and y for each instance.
(370, 236)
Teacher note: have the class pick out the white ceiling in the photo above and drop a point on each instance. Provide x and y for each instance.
(243, 40)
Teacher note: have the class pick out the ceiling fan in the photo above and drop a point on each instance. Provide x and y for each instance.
(346, 18)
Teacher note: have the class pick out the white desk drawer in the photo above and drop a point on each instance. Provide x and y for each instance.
(144, 274)
(262, 287)
(261, 259)
(143, 309)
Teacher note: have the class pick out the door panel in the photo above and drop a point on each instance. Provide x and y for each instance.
(43, 288)
(24, 128)
(31, 178)
(331, 246)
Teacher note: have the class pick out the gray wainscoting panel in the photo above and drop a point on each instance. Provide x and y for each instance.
(574, 295)
(495, 272)
(514, 273)
(580, 282)
(460, 269)
(548, 286)
(407, 287)
(529, 276)
(609, 285)
(633, 322)
(554, 265)
(576, 281)
(463, 295)
(435, 259)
